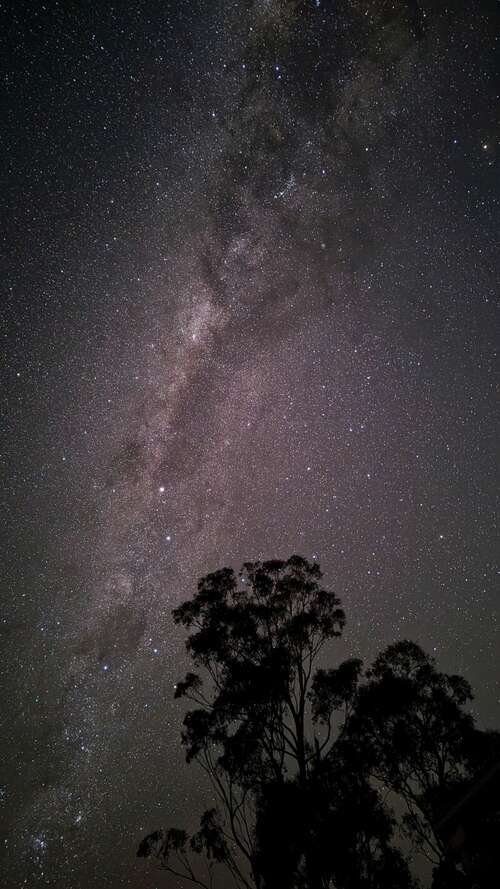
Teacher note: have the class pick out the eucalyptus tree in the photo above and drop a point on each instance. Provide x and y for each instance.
(303, 757)
(415, 735)
(261, 724)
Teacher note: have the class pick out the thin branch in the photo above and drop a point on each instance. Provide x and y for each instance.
(190, 876)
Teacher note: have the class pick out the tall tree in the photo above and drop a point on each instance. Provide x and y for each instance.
(268, 731)
(415, 736)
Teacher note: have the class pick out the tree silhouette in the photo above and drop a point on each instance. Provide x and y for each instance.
(414, 736)
(302, 758)
(257, 638)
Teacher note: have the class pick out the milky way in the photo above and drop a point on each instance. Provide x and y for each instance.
(251, 309)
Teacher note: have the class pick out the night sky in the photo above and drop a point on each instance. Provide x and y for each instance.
(249, 308)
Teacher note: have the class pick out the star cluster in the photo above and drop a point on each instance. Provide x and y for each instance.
(250, 308)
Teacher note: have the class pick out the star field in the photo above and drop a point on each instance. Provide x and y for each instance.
(250, 308)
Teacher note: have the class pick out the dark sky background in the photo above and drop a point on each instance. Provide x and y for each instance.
(250, 308)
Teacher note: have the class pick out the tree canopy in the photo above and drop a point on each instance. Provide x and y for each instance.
(304, 757)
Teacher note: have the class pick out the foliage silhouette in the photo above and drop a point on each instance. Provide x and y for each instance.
(303, 759)
(415, 737)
